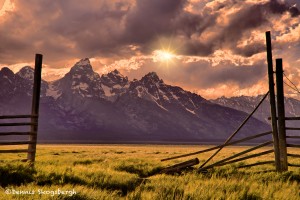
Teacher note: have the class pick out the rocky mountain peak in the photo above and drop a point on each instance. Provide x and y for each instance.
(5, 71)
(151, 78)
(83, 66)
(26, 72)
(113, 78)
(84, 62)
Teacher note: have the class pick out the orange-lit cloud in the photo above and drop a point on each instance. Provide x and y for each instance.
(5, 7)
(219, 45)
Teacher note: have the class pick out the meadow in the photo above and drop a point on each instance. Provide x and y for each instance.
(132, 172)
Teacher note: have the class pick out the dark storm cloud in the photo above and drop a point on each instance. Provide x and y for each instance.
(73, 28)
(151, 18)
(243, 21)
(61, 29)
(68, 29)
(277, 7)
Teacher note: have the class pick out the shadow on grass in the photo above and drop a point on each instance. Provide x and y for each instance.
(22, 174)
(13, 175)
(16, 175)
(123, 187)
(58, 179)
(137, 169)
(87, 162)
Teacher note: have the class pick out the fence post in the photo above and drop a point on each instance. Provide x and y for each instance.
(272, 101)
(281, 115)
(35, 107)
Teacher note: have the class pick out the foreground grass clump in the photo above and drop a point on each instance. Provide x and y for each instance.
(102, 172)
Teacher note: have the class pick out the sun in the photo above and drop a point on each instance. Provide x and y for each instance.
(163, 55)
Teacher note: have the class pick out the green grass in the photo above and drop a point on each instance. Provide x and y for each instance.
(131, 172)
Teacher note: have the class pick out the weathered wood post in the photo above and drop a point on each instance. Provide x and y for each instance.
(272, 101)
(281, 115)
(35, 107)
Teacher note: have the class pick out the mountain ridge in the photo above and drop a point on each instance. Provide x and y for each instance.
(83, 105)
(248, 103)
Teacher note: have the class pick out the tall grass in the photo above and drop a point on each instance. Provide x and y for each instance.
(102, 172)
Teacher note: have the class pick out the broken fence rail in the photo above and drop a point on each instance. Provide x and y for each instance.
(216, 147)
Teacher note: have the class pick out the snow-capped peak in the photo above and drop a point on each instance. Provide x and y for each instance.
(26, 72)
(151, 77)
(83, 62)
(113, 78)
(82, 67)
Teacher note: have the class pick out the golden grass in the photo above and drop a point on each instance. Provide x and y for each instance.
(123, 172)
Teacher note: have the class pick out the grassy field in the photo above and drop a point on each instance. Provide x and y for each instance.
(131, 172)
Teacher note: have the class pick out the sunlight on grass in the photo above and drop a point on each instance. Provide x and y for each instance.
(132, 172)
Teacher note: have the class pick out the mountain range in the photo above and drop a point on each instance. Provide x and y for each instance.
(84, 106)
(248, 103)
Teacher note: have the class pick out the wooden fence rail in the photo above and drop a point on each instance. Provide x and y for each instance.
(293, 155)
(19, 124)
(278, 122)
(293, 145)
(239, 159)
(293, 136)
(18, 116)
(293, 165)
(238, 154)
(256, 164)
(237, 130)
(17, 133)
(15, 151)
(292, 118)
(33, 117)
(217, 147)
(16, 143)
(292, 128)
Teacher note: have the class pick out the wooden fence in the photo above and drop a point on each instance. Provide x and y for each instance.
(34, 116)
(278, 131)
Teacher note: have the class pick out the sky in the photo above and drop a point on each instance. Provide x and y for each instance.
(210, 47)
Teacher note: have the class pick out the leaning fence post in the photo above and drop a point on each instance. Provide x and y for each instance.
(272, 101)
(35, 107)
(281, 115)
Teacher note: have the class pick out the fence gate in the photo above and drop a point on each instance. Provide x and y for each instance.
(278, 132)
(32, 139)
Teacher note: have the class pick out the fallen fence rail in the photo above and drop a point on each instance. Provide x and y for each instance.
(237, 130)
(256, 164)
(180, 166)
(217, 147)
(238, 160)
(238, 154)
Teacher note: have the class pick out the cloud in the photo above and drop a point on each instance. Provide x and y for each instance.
(206, 72)
(124, 33)
(67, 29)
